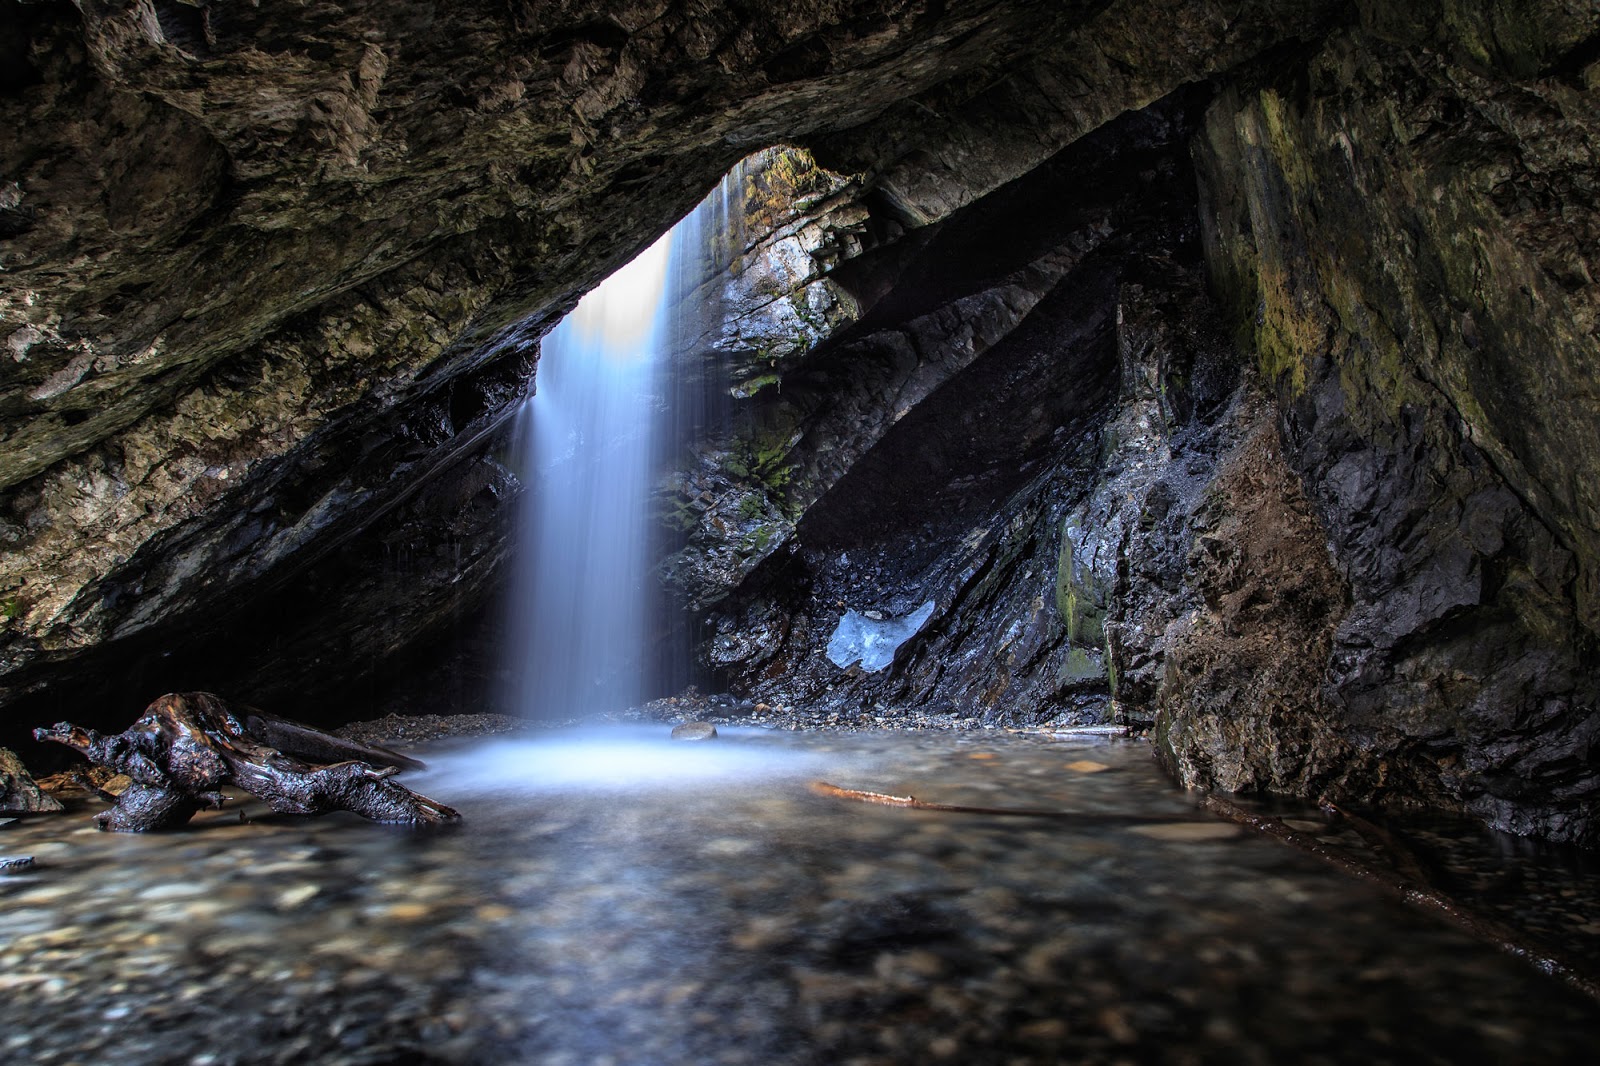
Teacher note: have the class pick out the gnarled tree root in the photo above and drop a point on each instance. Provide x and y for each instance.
(189, 745)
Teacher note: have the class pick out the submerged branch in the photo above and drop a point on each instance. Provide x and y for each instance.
(1408, 880)
(1388, 847)
(884, 799)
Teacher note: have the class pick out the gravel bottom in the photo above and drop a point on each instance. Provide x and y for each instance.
(614, 897)
(399, 732)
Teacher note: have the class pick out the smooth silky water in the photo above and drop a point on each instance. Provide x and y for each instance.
(591, 441)
(581, 603)
(618, 897)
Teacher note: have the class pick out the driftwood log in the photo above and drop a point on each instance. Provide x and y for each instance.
(189, 745)
(884, 799)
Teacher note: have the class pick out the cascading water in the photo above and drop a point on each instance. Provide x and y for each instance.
(580, 612)
(606, 404)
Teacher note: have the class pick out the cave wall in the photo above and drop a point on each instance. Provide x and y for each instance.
(1403, 226)
(942, 449)
(1364, 571)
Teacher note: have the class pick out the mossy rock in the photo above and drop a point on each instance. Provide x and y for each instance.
(1079, 598)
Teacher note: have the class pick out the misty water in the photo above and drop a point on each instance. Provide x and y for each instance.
(591, 443)
(616, 897)
(581, 600)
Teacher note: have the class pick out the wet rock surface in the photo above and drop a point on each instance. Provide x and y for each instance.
(1302, 534)
(971, 393)
(734, 916)
(18, 790)
(1417, 305)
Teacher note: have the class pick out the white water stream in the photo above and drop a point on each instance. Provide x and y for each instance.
(583, 604)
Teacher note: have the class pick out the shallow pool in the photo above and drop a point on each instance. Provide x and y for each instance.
(617, 897)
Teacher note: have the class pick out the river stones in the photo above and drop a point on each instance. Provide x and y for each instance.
(695, 731)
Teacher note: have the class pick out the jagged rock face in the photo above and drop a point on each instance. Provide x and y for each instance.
(941, 449)
(1366, 570)
(245, 246)
(1407, 235)
(767, 303)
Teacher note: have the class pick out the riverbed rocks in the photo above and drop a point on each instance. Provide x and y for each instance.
(753, 922)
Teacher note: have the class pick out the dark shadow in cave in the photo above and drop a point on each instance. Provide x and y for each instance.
(1125, 193)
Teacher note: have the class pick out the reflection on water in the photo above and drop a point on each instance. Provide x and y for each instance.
(629, 901)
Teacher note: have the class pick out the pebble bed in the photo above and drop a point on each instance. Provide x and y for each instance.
(710, 908)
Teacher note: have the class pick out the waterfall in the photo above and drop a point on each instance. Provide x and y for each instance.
(589, 440)
(581, 606)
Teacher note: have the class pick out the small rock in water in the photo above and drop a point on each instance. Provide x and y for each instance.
(7, 821)
(291, 898)
(694, 731)
(11, 864)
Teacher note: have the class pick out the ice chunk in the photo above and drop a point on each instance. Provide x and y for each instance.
(858, 638)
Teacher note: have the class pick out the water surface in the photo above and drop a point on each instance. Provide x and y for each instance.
(625, 899)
